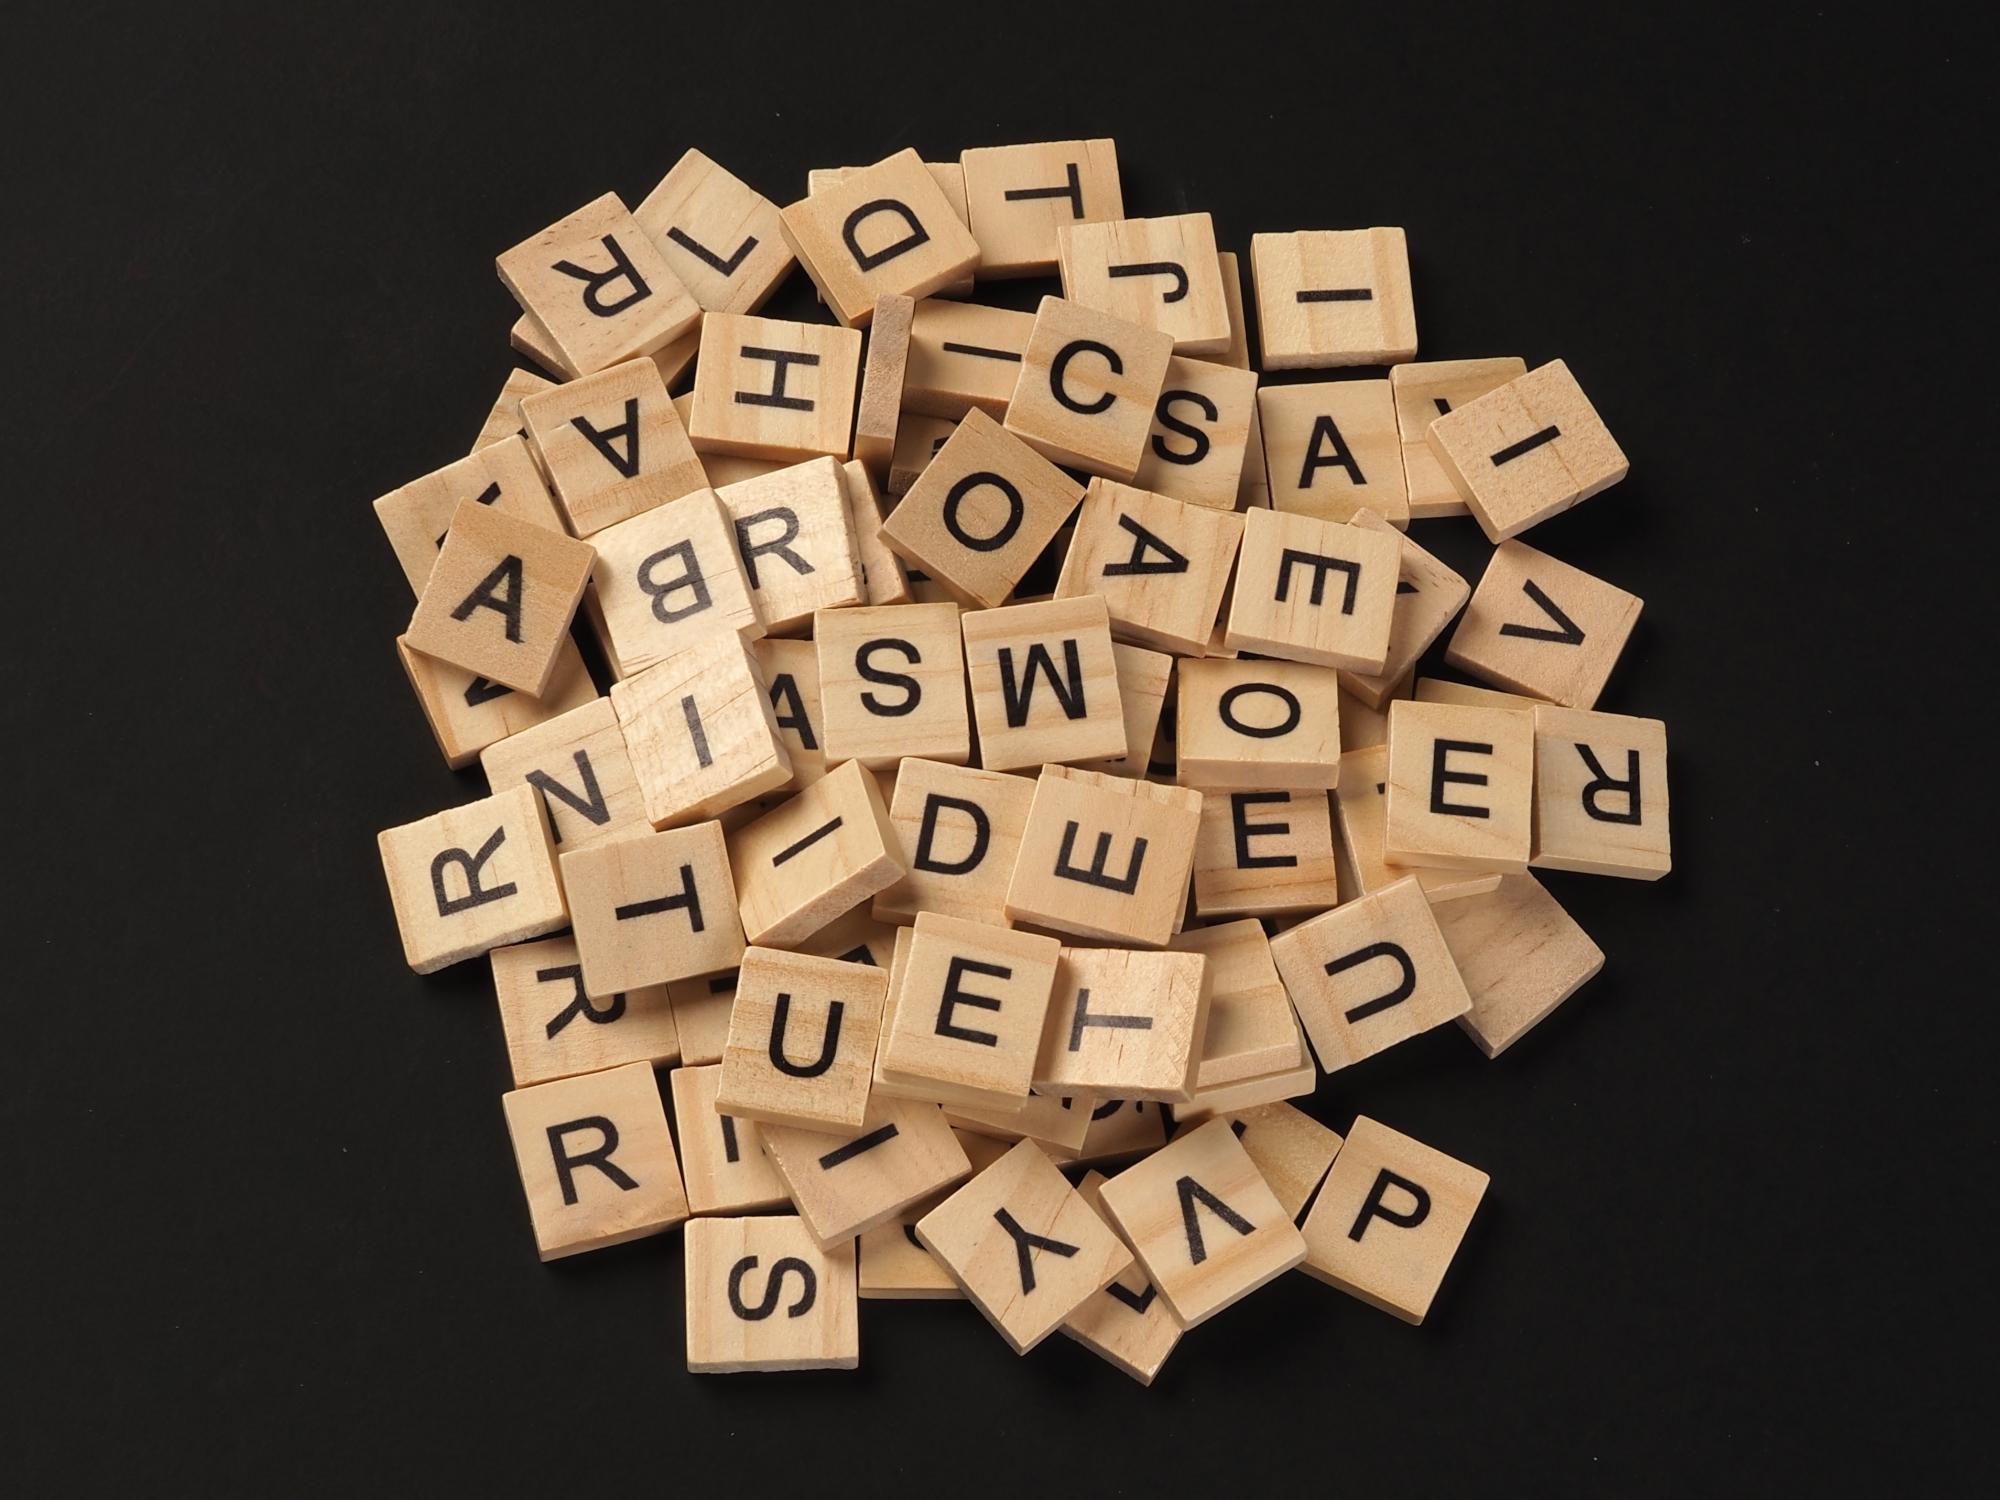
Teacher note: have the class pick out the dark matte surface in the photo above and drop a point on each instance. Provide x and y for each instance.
(262, 1224)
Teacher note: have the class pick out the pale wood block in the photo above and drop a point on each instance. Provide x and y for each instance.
(503, 474)
(850, 1181)
(882, 576)
(1258, 724)
(1160, 564)
(949, 177)
(964, 357)
(1361, 724)
(1437, 690)
(1124, 1024)
(892, 684)
(613, 445)
(499, 600)
(880, 405)
(1332, 448)
(1267, 1088)
(802, 1036)
(1292, 1150)
(981, 511)
(970, 1001)
(919, 439)
(596, 1160)
(768, 388)
(504, 420)
(701, 732)
(1389, 1219)
(886, 228)
(1461, 787)
(1057, 1121)
(1251, 1031)
(1526, 450)
(720, 235)
(527, 336)
(472, 878)
(1425, 391)
(1601, 794)
(958, 830)
(1089, 383)
(1369, 974)
(1023, 1246)
(724, 469)
(666, 578)
(598, 288)
(468, 712)
(1361, 807)
(741, 1272)
(1262, 852)
(1429, 596)
(796, 539)
(1044, 683)
(1128, 1324)
(895, 1266)
(701, 1015)
(554, 1030)
(723, 1161)
(1120, 1130)
(1159, 273)
(653, 907)
(854, 937)
(1201, 428)
(1143, 678)
(1543, 628)
(1253, 490)
(1314, 591)
(1520, 955)
(676, 359)
(1018, 197)
(1203, 1222)
(577, 764)
(815, 857)
(791, 670)
(1328, 297)
(1237, 356)
(1105, 857)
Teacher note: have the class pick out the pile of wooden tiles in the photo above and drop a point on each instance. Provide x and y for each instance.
(1011, 765)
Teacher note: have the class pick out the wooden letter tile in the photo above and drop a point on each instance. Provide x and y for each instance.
(1333, 297)
(881, 401)
(1201, 428)
(504, 420)
(967, 1019)
(577, 764)
(1520, 955)
(1424, 392)
(1044, 683)
(1361, 804)
(1018, 197)
(795, 537)
(919, 439)
(503, 475)
(1105, 857)
(1332, 448)
(765, 388)
(1257, 724)
(879, 229)
(1262, 852)
(720, 235)
(653, 907)
(949, 178)
(701, 1015)
(667, 577)
(1314, 591)
(613, 445)
(1089, 383)
(1437, 690)
(1461, 787)
(1252, 1031)
(700, 731)
(958, 830)
(819, 855)
(1159, 273)
(1601, 794)
(1127, 1324)
(1542, 627)
(467, 713)
(791, 673)
(1124, 1024)
(554, 1030)
(1292, 1150)
(1161, 564)
(1143, 678)
(723, 1160)
(472, 878)
(850, 1181)
(802, 1037)
(964, 356)
(1120, 1129)
(882, 574)
(762, 1296)
(892, 684)
(1429, 596)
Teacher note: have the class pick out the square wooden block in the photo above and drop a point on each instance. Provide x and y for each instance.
(1267, 1088)
(1257, 724)
(762, 1296)
(554, 1030)
(1369, 974)
(958, 830)
(1329, 297)
(1158, 273)
(1543, 628)
(892, 684)
(895, 1266)
(1332, 448)
(883, 578)
(653, 907)
(883, 228)
(766, 388)
(796, 541)
(701, 1015)
(1237, 356)
(503, 475)
(723, 1161)
(982, 511)
(1161, 564)
(1389, 1219)
(1105, 857)
(1203, 1221)
(1520, 955)
(577, 764)
(596, 1160)
(720, 235)
(1044, 683)
(467, 712)
(667, 577)
(919, 439)
(1058, 1123)
(472, 878)
(1361, 807)
(1429, 596)
(1252, 1030)
(1143, 679)
(880, 405)
(504, 420)
(1425, 391)
(1018, 197)
(791, 672)
(968, 1014)
(1525, 451)
(597, 287)
(949, 178)
(802, 1037)
(1023, 1245)
(500, 598)
(1124, 1024)
(847, 1182)
(1291, 1149)
(1601, 794)
(815, 857)
(1127, 1324)
(1461, 787)
(1120, 1130)
(963, 357)
(1437, 690)
(1314, 591)
(1361, 725)
(613, 445)
(1201, 428)
(700, 731)
(1089, 383)
(1263, 852)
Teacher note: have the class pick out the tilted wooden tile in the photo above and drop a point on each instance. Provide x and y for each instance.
(1120, 1129)
(883, 578)
(667, 577)
(653, 907)
(958, 830)
(1389, 1219)
(882, 228)
(1314, 591)
(554, 1030)
(598, 288)
(700, 731)
(1201, 428)
(500, 598)
(768, 388)
(504, 420)
(1266, 1088)
(791, 673)
(880, 405)
(892, 684)
(1362, 725)
(1263, 851)
(822, 853)
(1143, 678)
(1543, 628)
(963, 356)
(848, 1182)
(720, 235)
(723, 1161)
(1017, 197)
(1044, 683)
(1237, 356)
(1089, 382)
(467, 712)
(802, 1040)
(1429, 596)
(1291, 1149)
(1253, 490)
(1127, 1324)
(1525, 451)
(1330, 297)
(895, 1266)
(596, 1160)
(1601, 794)
(1361, 808)
(1437, 690)
(577, 764)
(919, 439)
(968, 1015)
(1332, 448)
(502, 474)
(949, 178)
(472, 878)
(1059, 1122)
(1520, 955)
(796, 539)
(613, 445)
(1159, 273)
(762, 1296)
(1424, 392)
(1369, 974)
(1024, 1247)
(854, 937)
(1161, 564)
(701, 1015)
(1105, 857)
(1251, 1030)
(1203, 1222)
(1124, 1024)
(527, 336)
(1461, 787)
(1258, 724)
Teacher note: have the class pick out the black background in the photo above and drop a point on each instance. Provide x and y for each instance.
(262, 1225)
